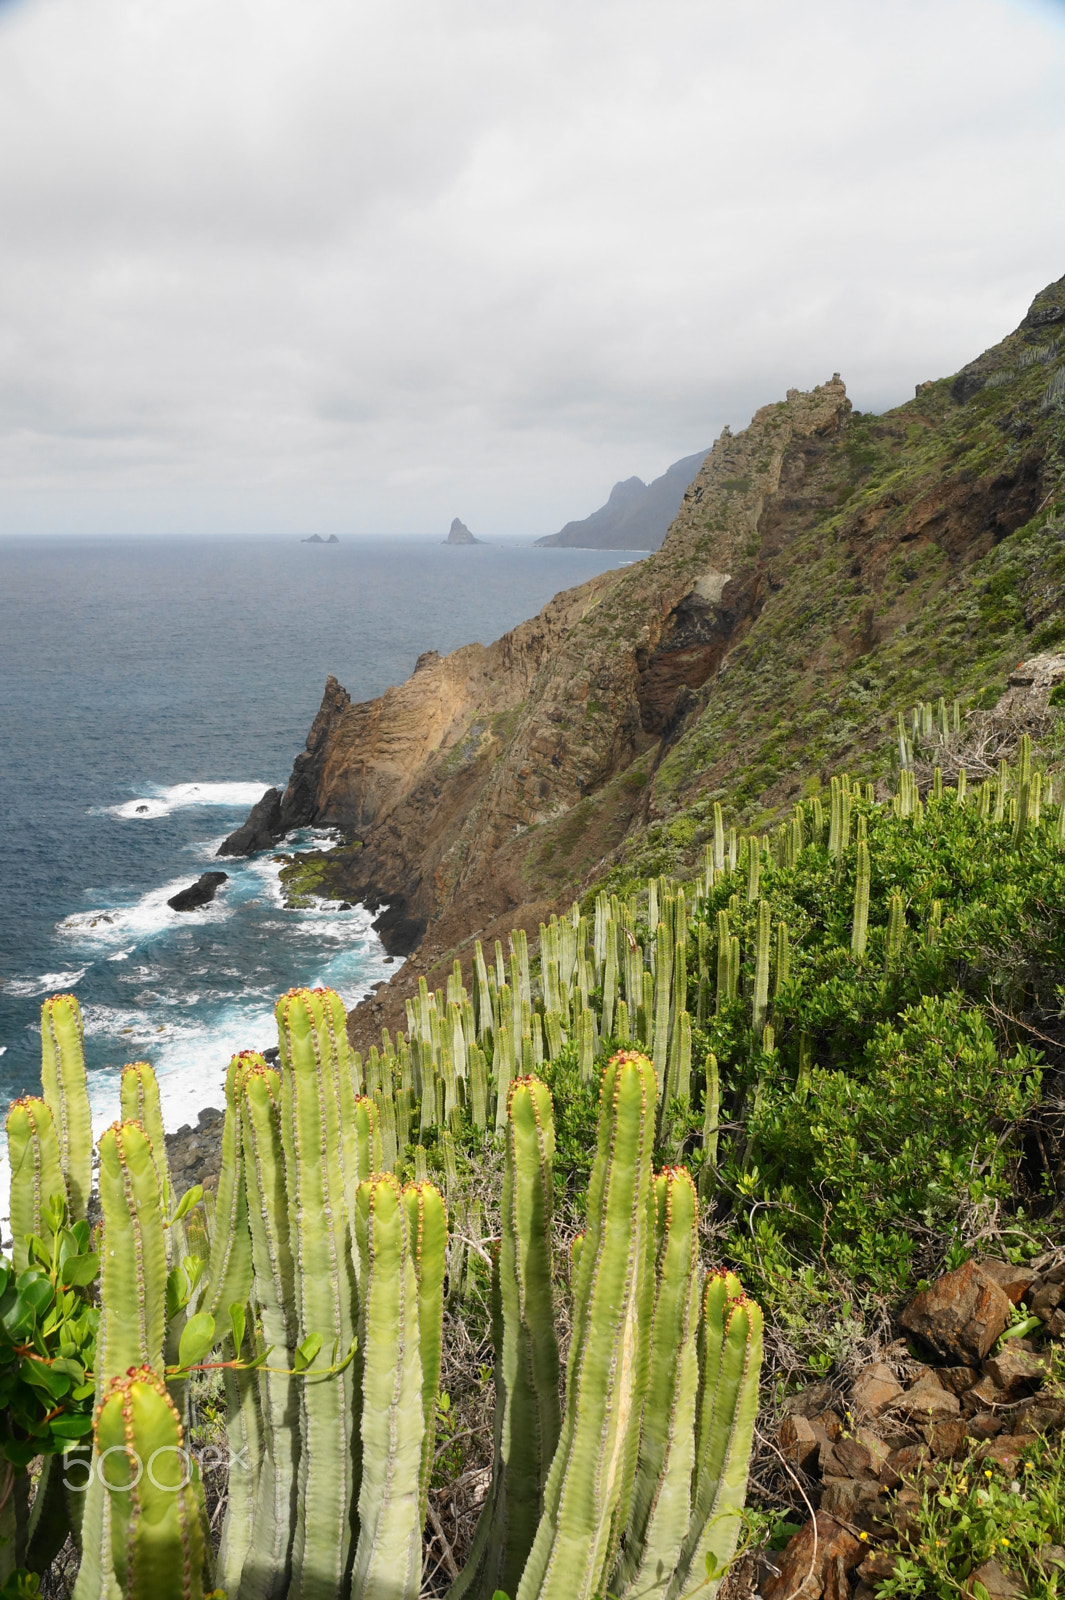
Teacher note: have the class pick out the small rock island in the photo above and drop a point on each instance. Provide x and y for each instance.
(460, 534)
(316, 538)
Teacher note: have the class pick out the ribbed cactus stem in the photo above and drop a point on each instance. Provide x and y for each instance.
(719, 838)
(314, 1144)
(711, 1110)
(527, 1418)
(782, 964)
(392, 1422)
(64, 1088)
(732, 1359)
(760, 996)
(427, 1222)
(621, 1023)
(896, 924)
(660, 1508)
(734, 967)
(139, 1097)
(723, 958)
(1001, 786)
(960, 788)
(132, 1255)
(586, 1045)
(228, 1278)
(156, 1540)
(587, 1496)
(860, 925)
(662, 999)
(36, 1175)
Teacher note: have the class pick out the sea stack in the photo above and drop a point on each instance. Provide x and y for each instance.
(460, 534)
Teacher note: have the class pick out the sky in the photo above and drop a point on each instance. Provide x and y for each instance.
(293, 266)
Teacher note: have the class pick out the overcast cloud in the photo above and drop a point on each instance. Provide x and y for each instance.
(317, 265)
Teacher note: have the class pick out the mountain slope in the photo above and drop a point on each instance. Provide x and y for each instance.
(636, 516)
(824, 568)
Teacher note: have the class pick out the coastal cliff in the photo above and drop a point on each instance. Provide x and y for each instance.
(824, 567)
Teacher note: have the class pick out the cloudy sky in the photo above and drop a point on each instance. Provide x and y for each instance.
(346, 265)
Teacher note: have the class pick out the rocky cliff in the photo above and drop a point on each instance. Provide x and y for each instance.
(824, 567)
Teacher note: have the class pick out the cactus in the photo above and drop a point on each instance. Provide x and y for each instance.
(316, 1126)
(660, 1509)
(896, 925)
(527, 1418)
(392, 1422)
(132, 1255)
(63, 1086)
(860, 926)
(427, 1221)
(156, 1541)
(36, 1176)
(711, 1111)
(730, 1348)
(760, 997)
(587, 1494)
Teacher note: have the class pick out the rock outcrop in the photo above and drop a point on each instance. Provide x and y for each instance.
(262, 828)
(460, 534)
(636, 516)
(200, 893)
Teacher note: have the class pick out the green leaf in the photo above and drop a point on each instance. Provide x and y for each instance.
(236, 1323)
(81, 1270)
(74, 1426)
(306, 1352)
(196, 1339)
(190, 1198)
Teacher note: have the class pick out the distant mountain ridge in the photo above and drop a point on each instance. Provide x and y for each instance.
(636, 516)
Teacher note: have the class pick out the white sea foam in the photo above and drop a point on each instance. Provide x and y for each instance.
(160, 802)
(147, 916)
(47, 983)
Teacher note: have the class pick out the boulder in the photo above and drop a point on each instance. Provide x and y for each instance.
(1013, 1281)
(875, 1389)
(261, 829)
(200, 893)
(960, 1316)
(928, 1401)
(998, 1583)
(808, 1555)
(800, 1442)
(1016, 1372)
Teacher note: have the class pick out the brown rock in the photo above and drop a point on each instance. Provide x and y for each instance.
(982, 1395)
(850, 1458)
(1050, 1556)
(800, 1442)
(958, 1379)
(907, 1462)
(874, 1390)
(1055, 1328)
(808, 1554)
(960, 1316)
(809, 1402)
(1043, 1414)
(1014, 1281)
(830, 1421)
(878, 1564)
(1045, 1299)
(985, 1425)
(852, 1500)
(1016, 1372)
(928, 1401)
(946, 1439)
(1006, 1449)
(837, 1586)
(864, 1591)
(999, 1584)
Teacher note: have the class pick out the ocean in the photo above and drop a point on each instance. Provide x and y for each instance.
(150, 690)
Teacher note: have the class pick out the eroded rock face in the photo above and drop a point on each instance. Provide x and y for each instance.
(200, 893)
(262, 829)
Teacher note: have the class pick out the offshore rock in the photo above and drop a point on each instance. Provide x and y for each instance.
(200, 893)
(262, 828)
(460, 534)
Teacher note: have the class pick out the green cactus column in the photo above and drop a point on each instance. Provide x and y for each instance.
(388, 1557)
(527, 1416)
(661, 1498)
(860, 925)
(64, 1087)
(265, 1572)
(586, 1501)
(140, 1103)
(730, 1352)
(156, 1540)
(427, 1221)
(36, 1174)
(315, 1144)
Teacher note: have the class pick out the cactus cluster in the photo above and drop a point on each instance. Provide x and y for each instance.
(319, 1295)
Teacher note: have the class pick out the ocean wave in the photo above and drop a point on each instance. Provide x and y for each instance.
(146, 917)
(160, 802)
(47, 983)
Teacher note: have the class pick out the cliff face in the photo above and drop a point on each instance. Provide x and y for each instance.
(823, 569)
